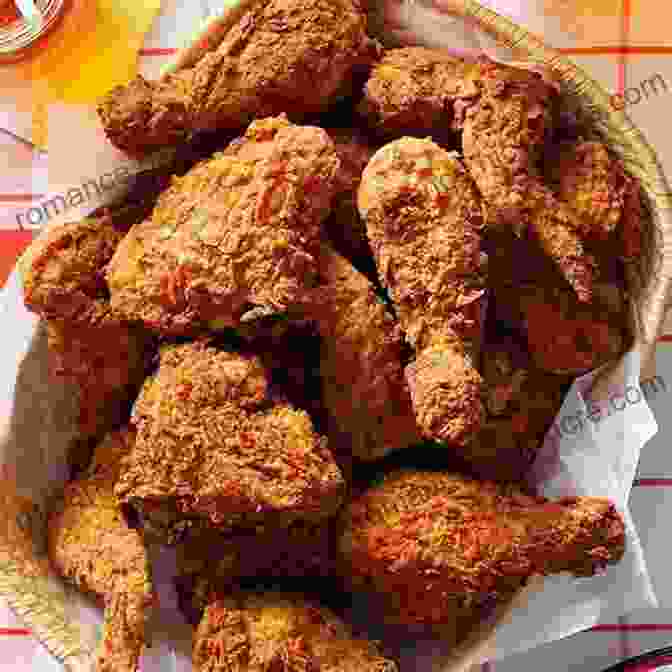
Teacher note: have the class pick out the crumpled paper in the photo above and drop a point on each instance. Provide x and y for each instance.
(37, 419)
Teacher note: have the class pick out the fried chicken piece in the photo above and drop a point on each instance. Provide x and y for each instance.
(89, 344)
(210, 560)
(238, 232)
(423, 218)
(595, 185)
(268, 631)
(105, 358)
(502, 136)
(521, 403)
(413, 90)
(503, 113)
(290, 56)
(363, 386)
(441, 548)
(91, 544)
(213, 446)
(345, 229)
(63, 272)
(565, 336)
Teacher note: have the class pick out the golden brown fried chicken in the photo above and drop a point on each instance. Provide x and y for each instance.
(89, 344)
(502, 135)
(344, 226)
(238, 232)
(290, 56)
(105, 359)
(90, 544)
(423, 218)
(63, 272)
(595, 185)
(521, 403)
(213, 446)
(503, 113)
(269, 631)
(413, 90)
(565, 336)
(439, 547)
(363, 386)
(210, 560)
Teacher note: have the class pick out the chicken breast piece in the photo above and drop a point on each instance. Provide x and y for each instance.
(268, 631)
(215, 447)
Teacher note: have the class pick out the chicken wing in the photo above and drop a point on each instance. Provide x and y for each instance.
(363, 386)
(90, 544)
(423, 217)
(63, 272)
(565, 336)
(268, 631)
(290, 56)
(89, 344)
(213, 446)
(595, 185)
(440, 548)
(502, 137)
(238, 232)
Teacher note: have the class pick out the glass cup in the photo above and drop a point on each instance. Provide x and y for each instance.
(22, 22)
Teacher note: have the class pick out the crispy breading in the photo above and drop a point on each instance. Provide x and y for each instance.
(91, 544)
(565, 336)
(64, 271)
(89, 344)
(105, 358)
(344, 227)
(269, 631)
(440, 548)
(423, 217)
(363, 386)
(503, 113)
(237, 232)
(290, 56)
(502, 136)
(412, 91)
(595, 185)
(213, 446)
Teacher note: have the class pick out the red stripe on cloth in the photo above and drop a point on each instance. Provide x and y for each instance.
(12, 244)
(632, 627)
(15, 632)
(157, 51)
(616, 50)
(20, 198)
(653, 482)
